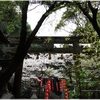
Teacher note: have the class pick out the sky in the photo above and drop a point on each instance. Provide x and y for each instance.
(48, 26)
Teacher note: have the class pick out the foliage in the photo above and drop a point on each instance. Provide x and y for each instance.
(88, 72)
(36, 45)
(85, 74)
(71, 14)
(8, 15)
(79, 73)
(79, 12)
(10, 18)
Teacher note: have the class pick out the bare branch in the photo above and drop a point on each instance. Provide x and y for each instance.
(91, 19)
(93, 10)
(33, 8)
(85, 12)
(44, 16)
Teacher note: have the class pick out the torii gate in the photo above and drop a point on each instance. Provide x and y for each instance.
(48, 47)
(48, 44)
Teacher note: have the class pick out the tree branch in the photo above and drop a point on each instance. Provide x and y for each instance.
(44, 16)
(22, 51)
(18, 58)
(33, 8)
(23, 25)
(93, 20)
(85, 12)
(93, 10)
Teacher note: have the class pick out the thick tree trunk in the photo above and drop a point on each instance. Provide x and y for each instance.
(18, 58)
(17, 82)
(22, 48)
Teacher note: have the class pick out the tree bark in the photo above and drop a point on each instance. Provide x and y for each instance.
(92, 19)
(17, 82)
(23, 47)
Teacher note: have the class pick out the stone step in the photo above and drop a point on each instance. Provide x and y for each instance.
(34, 96)
(7, 96)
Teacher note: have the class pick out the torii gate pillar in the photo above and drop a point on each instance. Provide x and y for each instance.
(77, 66)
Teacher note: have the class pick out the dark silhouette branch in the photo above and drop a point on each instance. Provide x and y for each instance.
(85, 12)
(33, 8)
(18, 58)
(92, 20)
(94, 10)
(22, 51)
(23, 25)
(44, 16)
